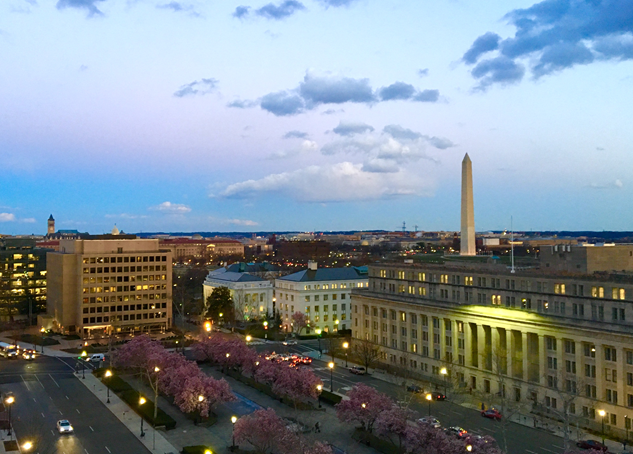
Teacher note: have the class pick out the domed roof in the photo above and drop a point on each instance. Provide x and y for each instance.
(115, 230)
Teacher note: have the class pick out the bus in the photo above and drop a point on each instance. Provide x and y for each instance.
(9, 351)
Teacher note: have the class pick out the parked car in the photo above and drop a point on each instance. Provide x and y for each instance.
(29, 354)
(415, 389)
(64, 426)
(96, 357)
(457, 431)
(491, 413)
(358, 370)
(592, 444)
(437, 395)
(431, 420)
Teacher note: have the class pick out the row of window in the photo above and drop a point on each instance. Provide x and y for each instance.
(124, 288)
(318, 319)
(121, 298)
(125, 259)
(326, 307)
(123, 269)
(124, 308)
(125, 317)
(617, 293)
(325, 297)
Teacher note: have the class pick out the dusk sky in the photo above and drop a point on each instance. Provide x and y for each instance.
(305, 115)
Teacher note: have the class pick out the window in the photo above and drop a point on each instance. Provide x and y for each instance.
(550, 343)
(570, 347)
(589, 350)
(559, 289)
(610, 354)
(617, 293)
(597, 292)
(590, 371)
(468, 280)
(496, 300)
(612, 396)
(552, 363)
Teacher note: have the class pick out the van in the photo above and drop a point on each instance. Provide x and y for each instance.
(96, 357)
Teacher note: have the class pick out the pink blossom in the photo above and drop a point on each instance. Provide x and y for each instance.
(299, 384)
(393, 422)
(142, 352)
(364, 406)
(262, 429)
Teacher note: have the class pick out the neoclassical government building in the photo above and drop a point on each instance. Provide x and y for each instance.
(556, 335)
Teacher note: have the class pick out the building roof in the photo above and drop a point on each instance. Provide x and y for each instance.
(242, 267)
(328, 274)
(195, 241)
(222, 274)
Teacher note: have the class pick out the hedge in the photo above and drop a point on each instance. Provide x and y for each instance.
(330, 397)
(199, 449)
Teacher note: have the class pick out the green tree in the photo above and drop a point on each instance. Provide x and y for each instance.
(219, 302)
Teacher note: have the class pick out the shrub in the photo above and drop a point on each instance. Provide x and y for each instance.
(146, 411)
(199, 449)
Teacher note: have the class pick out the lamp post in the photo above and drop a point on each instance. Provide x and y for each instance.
(248, 338)
(331, 366)
(429, 398)
(27, 446)
(602, 413)
(266, 330)
(141, 401)
(444, 373)
(42, 330)
(107, 375)
(319, 389)
(318, 331)
(9, 401)
(346, 346)
(469, 448)
(83, 365)
(233, 421)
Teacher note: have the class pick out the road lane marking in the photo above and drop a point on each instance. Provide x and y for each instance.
(25, 383)
(42, 415)
(556, 446)
(487, 430)
(548, 450)
(111, 451)
(86, 450)
(34, 400)
(53, 380)
(60, 412)
(38, 380)
(91, 428)
(78, 410)
(67, 397)
(52, 432)
(531, 452)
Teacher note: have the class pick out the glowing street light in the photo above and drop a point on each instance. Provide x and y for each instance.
(444, 373)
(9, 401)
(248, 338)
(141, 401)
(319, 389)
(602, 413)
(429, 398)
(331, 366)
(27, 446)
(107, 375)
(346, 347)
(469, 448)
(233, 421)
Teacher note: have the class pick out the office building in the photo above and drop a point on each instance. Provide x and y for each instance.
(110, 283)
(322, 294)
(538, 337)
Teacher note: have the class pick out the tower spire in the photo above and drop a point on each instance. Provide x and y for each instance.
(467, 240)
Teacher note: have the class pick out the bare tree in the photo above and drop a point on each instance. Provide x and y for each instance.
(366, 352)
(570, 388)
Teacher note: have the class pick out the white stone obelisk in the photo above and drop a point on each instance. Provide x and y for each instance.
(467, 240)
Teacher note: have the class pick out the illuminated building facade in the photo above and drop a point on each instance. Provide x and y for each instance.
(110, 283)
(537, 338)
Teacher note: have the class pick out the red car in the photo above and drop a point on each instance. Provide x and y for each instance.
(592, 444)
(491, 413)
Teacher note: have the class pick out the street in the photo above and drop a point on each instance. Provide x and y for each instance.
(45, 391)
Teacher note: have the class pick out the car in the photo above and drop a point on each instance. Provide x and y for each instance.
(29, 354)
(591, 444)
(96, 357)
(289, 342)
(358, 370)
(431, 420)
(457, 431)
(415, 389)
(64, 427)
(491, 413)
(438, 395)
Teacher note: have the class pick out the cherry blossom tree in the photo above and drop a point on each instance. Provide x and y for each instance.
(267, 371)
(319, 448)
(423, 438)
(262, 429)
(364, 406)
(200, 392)
(393, 422)
(140, 353)
(299, 384)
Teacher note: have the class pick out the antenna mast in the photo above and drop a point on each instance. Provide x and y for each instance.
(512, 244)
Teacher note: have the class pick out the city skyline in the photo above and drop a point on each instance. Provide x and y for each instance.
(313, 115)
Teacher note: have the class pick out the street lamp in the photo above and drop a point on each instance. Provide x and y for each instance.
(345, 346)
(42, 330)
(248, 338)
(331, 366)
(318, 331)
(319, 389)
(429, 398)
(27, 446)
(233, 421)
(83, 366)
(469, 448)
(9, 401)
(444, 373)
(602, 413)
(266, 330)
(141, 401)
(108, 374)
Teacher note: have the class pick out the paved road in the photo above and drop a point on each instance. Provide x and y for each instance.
(520, 439)
(45, 391)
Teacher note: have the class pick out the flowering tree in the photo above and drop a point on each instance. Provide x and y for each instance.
(299, 322)
(262, 429)
(141, 353)
(364, 406)
(424, 438)
(298, 384)
(267, 371)
(393, 422)
(199, 393)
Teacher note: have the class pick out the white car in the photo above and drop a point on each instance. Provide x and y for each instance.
(64, 426)
(432, 421)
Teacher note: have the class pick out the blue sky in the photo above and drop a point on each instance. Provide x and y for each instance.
(314, 114)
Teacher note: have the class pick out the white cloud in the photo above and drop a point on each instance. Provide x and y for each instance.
(307, 146)
(243, 222)
(618, 183)
(125, 216)
(28, 220)
(7, 217)
(615, 184)
(340, 182)
(171, 208)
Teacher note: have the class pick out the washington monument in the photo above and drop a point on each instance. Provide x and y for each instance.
(467, 240)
